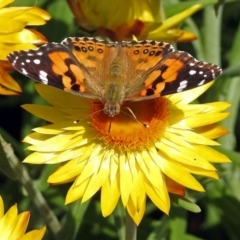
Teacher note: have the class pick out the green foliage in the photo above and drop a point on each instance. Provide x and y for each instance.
(219, 42)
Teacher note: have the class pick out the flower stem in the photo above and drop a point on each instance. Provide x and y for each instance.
(131, 228)
(212, 34)
(37, 197)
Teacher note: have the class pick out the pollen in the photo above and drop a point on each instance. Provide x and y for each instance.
(139, 124)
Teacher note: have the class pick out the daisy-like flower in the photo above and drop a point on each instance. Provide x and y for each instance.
(14, 225)
(120, 157)
(14, 36)
(123, 20)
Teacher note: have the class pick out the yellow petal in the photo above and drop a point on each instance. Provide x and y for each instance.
(30, 15)
(47, 113)
(20, 225)
(158, 196)
(125, 179)
(97, 179)
(108, 204)
(1, 208)
(178, 18)
(4, 3)
(10, 26)
(176, 172)
(10, 86)
(200, 120)
(211, 155)
(136, 213)
(8, 221)
(76, 192)
(34, 235)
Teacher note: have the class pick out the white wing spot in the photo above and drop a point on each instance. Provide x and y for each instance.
(43, 76)
(213, 74)
(30, 54)
(28, 60)
(192, 72)
(202, 82)
(36, 61)
(183, 85)
(191, 64)
(40, 53)
(22, 63)
(201, 72)
(24, 71)
(15, 60)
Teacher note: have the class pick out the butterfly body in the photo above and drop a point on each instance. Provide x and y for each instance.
(114, 72)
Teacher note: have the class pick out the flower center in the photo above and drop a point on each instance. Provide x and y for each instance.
(138, 126)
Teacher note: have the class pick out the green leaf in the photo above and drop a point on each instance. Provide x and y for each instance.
(73, 220)
(185, 203)
(177, 223)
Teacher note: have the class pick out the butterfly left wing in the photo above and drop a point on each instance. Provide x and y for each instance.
(53, 64)
(178, 71)
(140, 58)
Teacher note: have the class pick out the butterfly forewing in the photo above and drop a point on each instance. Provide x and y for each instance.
(96, 56)
(52, 64)
(177, 72)
(141, 58)
(189, 74)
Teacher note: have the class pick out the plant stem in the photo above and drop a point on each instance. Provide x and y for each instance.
(212, 34)
(131, 228)
(37, 197)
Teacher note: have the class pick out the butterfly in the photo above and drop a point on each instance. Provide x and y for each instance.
(114, 72)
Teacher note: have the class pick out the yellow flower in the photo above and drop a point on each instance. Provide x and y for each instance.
(14, 36)
(121, 157)
(14, 225)
(123, 20)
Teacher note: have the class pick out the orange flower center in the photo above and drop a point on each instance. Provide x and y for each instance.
(132, 131)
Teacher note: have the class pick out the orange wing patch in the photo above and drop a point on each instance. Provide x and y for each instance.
(72, 76)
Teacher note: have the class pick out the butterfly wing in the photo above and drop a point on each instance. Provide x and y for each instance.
(77, 65)
(141, 58)
(180, 72)
(96, 56)
(176, 71)
(52, 64)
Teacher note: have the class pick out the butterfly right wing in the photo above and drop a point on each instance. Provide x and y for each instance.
(55, 65)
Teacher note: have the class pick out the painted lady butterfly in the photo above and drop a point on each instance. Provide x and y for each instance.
(114, 72)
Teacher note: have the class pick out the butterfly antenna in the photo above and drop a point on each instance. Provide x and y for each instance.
(78, 120)
(134, 116)
(130, 115)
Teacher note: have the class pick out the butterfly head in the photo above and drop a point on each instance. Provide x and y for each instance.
(111, 108)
